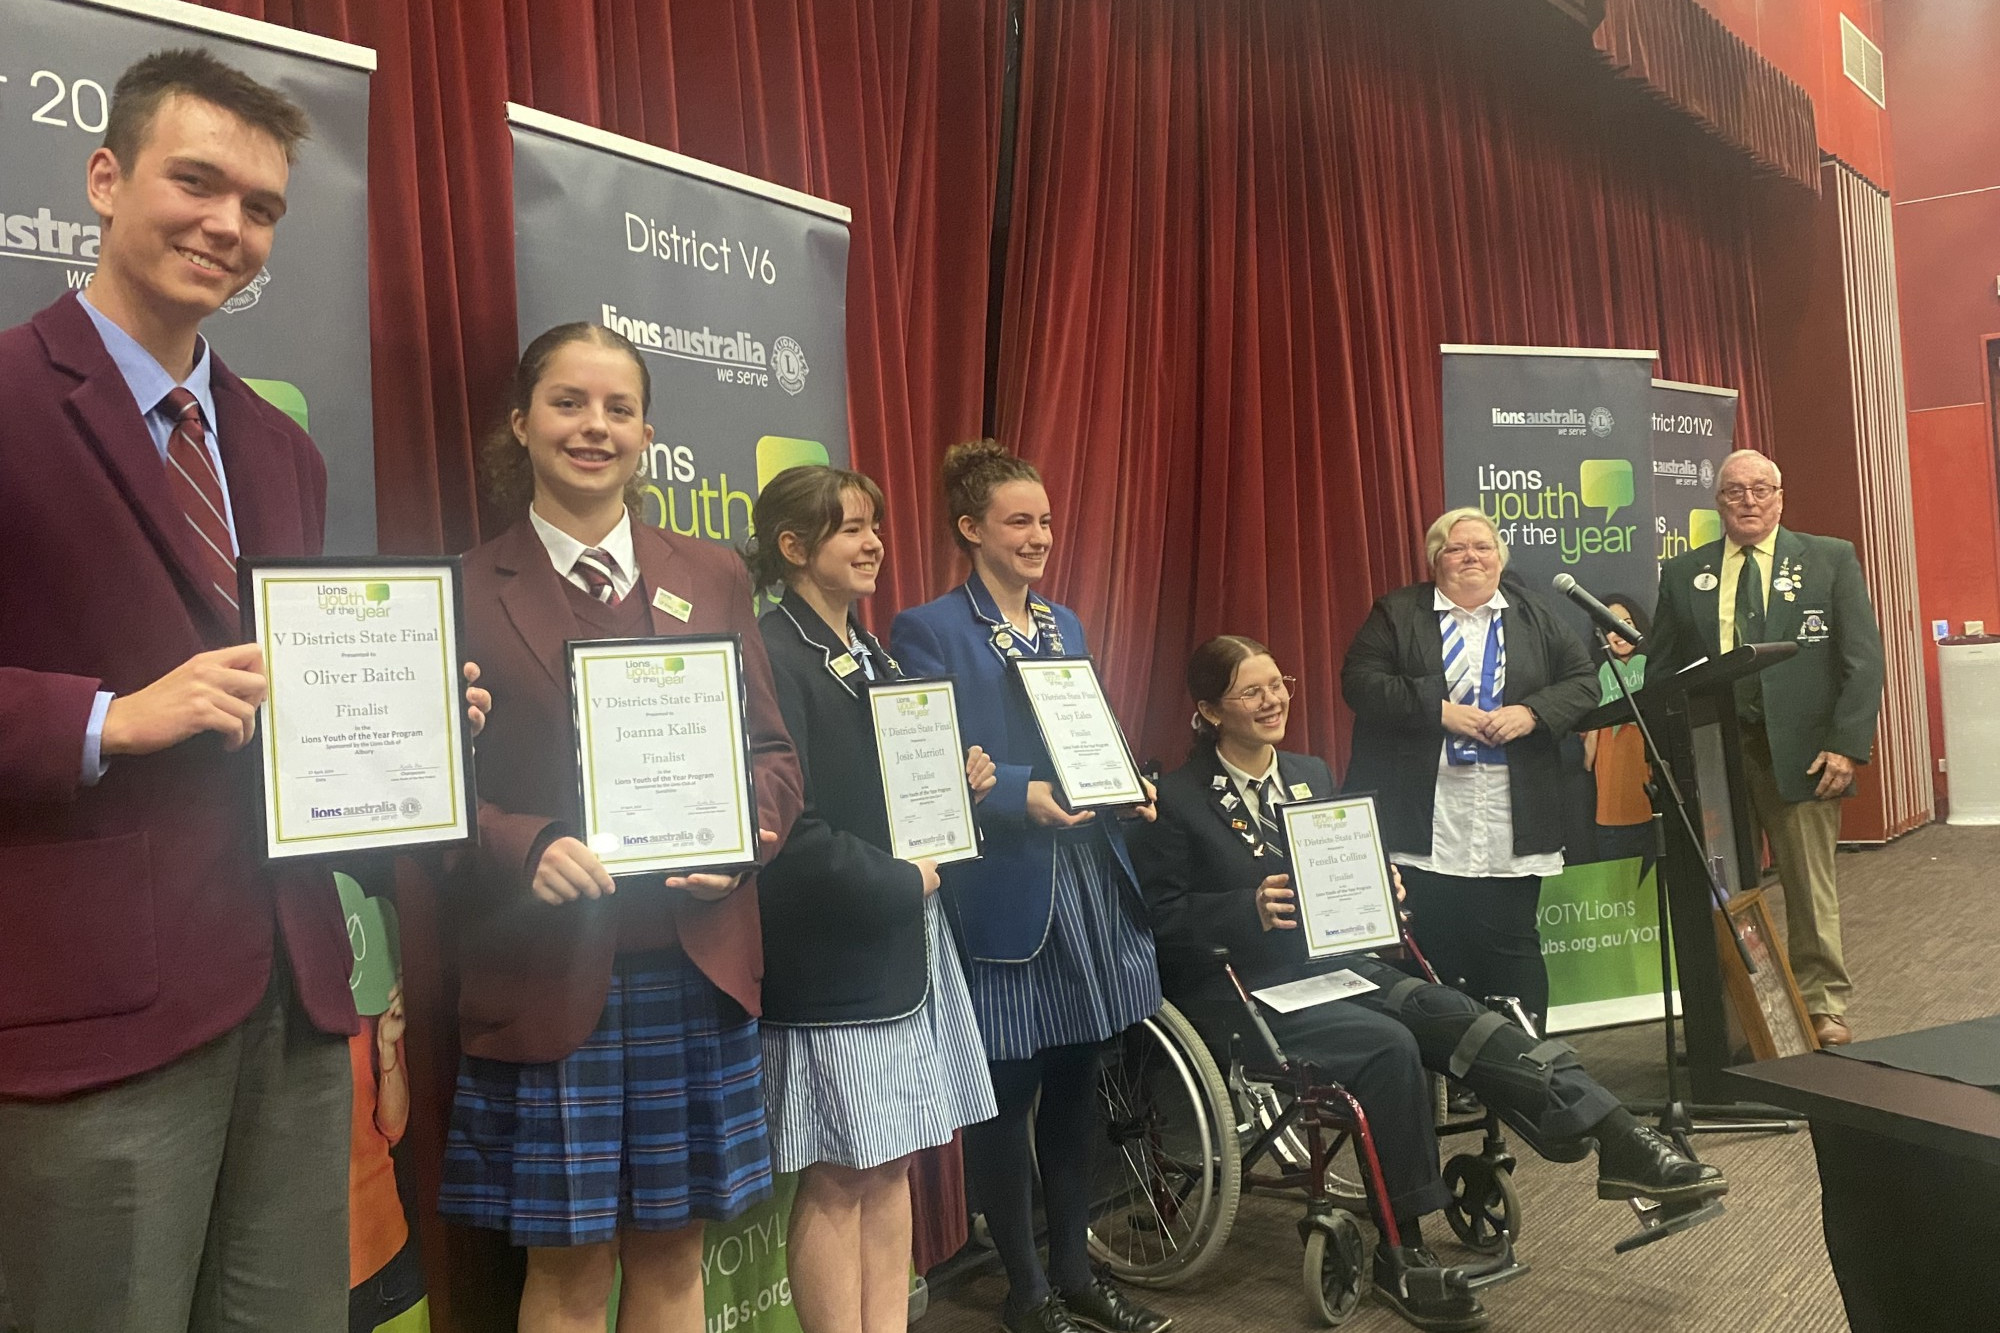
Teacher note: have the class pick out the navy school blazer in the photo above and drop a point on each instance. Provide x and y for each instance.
(844, 934)
(1002, 903)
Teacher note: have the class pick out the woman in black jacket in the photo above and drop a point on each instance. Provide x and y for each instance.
(871, 1051)
(1214, 869)
(1462, 693)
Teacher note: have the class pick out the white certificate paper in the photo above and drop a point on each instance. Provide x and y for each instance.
(1293, 996)
(1347, 902)
(663, 754)
(364, 739)
(1093, 764)
(923, 771)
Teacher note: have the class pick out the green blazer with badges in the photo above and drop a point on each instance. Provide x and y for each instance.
(1827, 697)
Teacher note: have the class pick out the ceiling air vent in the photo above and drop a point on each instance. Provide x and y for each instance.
(1862, 61)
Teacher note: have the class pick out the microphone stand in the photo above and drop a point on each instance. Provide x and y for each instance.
(1677, 1117)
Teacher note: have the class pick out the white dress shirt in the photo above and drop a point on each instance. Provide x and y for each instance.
(1472, 821)
(563, 550)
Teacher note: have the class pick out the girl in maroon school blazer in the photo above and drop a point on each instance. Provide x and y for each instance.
(596, 1016)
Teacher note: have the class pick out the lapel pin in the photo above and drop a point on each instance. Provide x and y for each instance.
(1238, 825)
(1705, 582)
(1229, 801)
(1220, 781)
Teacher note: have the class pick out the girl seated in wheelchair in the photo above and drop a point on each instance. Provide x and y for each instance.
(1213, 871)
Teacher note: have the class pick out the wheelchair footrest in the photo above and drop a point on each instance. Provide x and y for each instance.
(1657, 1221)
(1462, 1279)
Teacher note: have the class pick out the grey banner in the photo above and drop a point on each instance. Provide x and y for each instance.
(738, 298)
(299, 331)
(1694, 428)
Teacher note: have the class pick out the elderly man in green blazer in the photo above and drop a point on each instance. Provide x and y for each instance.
(1807, 721)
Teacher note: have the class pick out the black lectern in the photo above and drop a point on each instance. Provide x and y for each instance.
(1692, 716)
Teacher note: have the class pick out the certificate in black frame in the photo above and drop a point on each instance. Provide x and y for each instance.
(903, 684)
(1290, 810)
(667, 647)
(1135, 794)
(252, 573)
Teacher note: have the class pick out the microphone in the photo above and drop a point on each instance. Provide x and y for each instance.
(1598, 611)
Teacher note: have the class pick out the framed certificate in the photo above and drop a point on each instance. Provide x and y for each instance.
(364, 740)
(1340, 872)
(1093, 764)
(923, 771)
(663, 754)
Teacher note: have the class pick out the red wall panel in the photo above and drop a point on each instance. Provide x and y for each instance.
(1958, 549)
(1947, 256)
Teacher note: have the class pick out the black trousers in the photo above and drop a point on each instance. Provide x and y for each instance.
(1381, 1059)
(1481, 934)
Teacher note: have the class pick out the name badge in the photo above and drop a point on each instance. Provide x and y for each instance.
(680, 608)
(843, 665)
(1705, 582)
(1300, 791)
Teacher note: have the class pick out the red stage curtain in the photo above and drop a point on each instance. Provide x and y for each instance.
(1242, 228)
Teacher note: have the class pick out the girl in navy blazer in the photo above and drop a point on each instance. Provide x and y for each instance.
(1058, 956)
(871, 1051)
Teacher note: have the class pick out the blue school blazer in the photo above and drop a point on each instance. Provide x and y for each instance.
(1002, 903)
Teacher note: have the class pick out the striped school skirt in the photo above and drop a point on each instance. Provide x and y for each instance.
(861, 1094)
(655, 1121)
(1094, 977)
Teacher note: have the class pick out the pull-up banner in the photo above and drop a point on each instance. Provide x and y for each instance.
(735, 290)
(299, 331)
(1694, 428)
(1555, 445)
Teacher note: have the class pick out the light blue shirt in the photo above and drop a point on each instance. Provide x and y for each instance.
(150, 384)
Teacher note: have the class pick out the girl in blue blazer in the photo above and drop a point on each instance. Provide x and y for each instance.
(1058, 954)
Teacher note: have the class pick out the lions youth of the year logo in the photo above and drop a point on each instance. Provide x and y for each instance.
(654, 670)
(370, 601)
(250, 295)
(1601, 422)
(788, 363)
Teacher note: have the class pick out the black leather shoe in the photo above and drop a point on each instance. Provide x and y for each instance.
(1645, 1163)
(1427, 1305)
(1108, 1310)
(1048, 1317)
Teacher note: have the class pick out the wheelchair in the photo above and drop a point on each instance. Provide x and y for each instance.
(1183, 1137)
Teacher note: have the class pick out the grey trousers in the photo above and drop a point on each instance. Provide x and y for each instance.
(208, 1196)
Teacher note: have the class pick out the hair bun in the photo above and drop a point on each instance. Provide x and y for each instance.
(963, 461)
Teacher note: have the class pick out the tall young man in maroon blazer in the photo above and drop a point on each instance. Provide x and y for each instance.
(173, 1076)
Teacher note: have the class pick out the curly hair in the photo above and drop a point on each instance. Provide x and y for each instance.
(972, 472)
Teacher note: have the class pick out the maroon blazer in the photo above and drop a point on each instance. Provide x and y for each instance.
(532, 978)
(136, 920)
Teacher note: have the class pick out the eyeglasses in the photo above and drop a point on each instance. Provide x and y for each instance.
(1473, 548)
(1761, 492)
(1256, 694)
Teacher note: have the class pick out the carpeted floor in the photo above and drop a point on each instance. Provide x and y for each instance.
(1921, 934)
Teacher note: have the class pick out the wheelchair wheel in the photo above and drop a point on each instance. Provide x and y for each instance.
(1167, 1174)
(1335, 1255)
(1484, 1211)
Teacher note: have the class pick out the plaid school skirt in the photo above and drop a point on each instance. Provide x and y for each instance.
(657, 1120)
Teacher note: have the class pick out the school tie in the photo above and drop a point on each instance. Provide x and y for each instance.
(594, 567)
(197, 490)
(1750, 629)
(1270, 824)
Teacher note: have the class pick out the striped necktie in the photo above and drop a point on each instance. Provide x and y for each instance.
(1270, 823)
(197, 491)
(595, 567)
